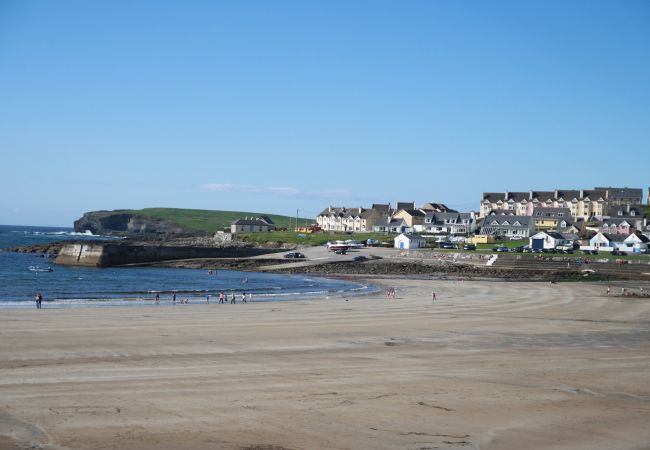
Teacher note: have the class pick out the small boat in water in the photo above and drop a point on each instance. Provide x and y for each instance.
(40, 269)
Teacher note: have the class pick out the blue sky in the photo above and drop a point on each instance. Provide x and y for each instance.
(274, 106)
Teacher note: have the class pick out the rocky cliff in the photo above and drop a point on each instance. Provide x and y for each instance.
(120, 223)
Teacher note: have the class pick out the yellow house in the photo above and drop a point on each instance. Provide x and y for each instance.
(410, 216)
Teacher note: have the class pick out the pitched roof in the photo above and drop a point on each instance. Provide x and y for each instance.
(405, 205)
(524, 221)
(615, 193)
(553, 213)
(614, 237)
(567, 194)
(256, 222)
(385, 208)
(543, 196)
(625, 211)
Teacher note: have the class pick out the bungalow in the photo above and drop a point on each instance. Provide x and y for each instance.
(637, 242)
(548, 239)
(508, 226)
(409, 241)
(605, 242)
(258, 225)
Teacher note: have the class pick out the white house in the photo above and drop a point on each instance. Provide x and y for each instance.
(637, 243)
(258, 225)
(548, 239)
(409, 241)
(606, 242)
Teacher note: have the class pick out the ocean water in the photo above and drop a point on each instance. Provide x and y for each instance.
(67, 286)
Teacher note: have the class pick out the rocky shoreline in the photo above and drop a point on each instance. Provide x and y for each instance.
(377, 268)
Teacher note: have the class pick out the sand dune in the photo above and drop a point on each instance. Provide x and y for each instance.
(490, 365)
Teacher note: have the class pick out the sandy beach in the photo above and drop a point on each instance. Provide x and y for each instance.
(489, 365)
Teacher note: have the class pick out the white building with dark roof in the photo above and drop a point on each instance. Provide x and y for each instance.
(257, 225)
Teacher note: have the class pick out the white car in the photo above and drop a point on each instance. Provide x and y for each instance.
(517, 238)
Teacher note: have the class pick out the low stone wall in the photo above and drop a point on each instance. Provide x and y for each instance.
(106, 255)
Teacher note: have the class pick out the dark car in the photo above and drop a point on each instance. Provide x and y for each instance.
(519, 249)
(501, 248)
(294, 255)
(469, 247)
(448, 245)
(340, 251)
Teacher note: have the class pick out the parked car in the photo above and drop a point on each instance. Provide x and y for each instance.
(519, 249)
(448, 245)
(340, 252)
(501, 248)
(469, 247)
(295, 255)
(516, 238)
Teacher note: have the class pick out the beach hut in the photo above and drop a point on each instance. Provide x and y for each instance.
(409, 241)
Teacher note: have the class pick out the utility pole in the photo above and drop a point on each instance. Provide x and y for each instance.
(297, 211)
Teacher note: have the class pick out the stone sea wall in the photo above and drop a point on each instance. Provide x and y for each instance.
(106, 255)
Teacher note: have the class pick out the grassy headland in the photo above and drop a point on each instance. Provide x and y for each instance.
(202, 220)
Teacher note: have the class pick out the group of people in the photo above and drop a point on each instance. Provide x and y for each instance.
(223, 298)
(624, 291)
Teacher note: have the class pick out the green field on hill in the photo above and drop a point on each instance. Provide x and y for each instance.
(206, 221)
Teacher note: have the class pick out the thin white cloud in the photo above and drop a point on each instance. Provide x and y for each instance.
(287, 191)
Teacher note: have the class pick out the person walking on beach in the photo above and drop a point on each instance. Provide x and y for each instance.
(38, 299)
(207, 299)
(221, 297)
(609, 289)
(157, 299)
(174, 298)
(232, 298)
(433, 296)
(243, 297)
(250, 296)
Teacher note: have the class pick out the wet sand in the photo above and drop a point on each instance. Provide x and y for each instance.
(490, 365)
